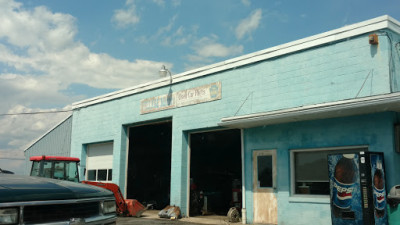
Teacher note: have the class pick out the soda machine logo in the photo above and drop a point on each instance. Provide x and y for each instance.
(343, 191)
(379, 189)
(342, 194)
(343, 186)
(379, 197)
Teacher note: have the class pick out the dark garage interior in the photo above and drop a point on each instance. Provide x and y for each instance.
(149, 164)
(215, 172)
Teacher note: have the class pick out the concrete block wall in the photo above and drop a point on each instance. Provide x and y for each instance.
(374, 131)
(394, 55)
(325, 74)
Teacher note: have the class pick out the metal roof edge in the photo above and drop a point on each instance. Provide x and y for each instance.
(352, 30)
(393, 24)
(384, 99)
(50, 130)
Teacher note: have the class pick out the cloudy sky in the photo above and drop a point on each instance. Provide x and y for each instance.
(54, 53)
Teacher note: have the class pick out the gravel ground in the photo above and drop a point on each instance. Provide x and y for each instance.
(150, 221)
(150, 217)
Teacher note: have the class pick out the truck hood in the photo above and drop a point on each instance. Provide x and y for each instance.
(15, 188)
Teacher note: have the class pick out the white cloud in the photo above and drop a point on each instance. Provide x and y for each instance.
(40, 58)
(49, 51)
(208, 48)
(179, 37)
(249, 24)
(31, 90)
(160, 3)
(176, 3)
(170, 36)
(27, 29)
(126, 17)
(246, 2)
(15, 130)
(168, 27)
(218, 50)
(142, 39)
(17, 133)
(95, 70)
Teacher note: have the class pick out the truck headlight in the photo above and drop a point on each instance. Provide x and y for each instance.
(8, 216)
(109, 207)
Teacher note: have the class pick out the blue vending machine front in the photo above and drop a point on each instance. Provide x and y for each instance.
(357, 188)
(378, 186)
(345, 189)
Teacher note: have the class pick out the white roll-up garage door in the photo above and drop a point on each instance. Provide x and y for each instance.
(99, 162)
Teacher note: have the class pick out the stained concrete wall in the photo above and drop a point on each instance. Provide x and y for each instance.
(374, 131)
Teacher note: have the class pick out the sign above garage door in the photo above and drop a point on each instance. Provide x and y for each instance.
(205, 93)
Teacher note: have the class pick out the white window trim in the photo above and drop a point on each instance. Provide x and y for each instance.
(309, 197)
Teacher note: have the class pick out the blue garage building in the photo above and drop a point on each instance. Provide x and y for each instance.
(251, 132)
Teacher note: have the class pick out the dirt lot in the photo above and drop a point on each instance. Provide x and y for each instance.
(151, 218)
(149, 221)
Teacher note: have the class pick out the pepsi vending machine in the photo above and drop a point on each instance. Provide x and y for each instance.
(357, 188)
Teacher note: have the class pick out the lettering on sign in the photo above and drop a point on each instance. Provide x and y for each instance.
(205, 93)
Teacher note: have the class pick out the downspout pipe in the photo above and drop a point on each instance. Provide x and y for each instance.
(244, 217)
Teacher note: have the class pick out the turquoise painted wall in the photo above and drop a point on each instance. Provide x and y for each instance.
(375, 131)
(340, 70)
(394, 55)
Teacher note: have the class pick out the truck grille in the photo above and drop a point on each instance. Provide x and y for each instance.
(63, 212)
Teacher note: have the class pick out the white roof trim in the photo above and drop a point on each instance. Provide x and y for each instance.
(382, 22)
(50, 130)
(374, 104)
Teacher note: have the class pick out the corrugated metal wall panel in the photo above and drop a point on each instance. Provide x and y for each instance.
(57, 142)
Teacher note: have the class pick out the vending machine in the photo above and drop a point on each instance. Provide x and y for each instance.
(357, 188)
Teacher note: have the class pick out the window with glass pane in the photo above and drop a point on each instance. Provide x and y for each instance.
(264, 171)
(91, 175)
(59, 170)
(102, 175)
(311, 170)
(35, 169)
(47, 169)
(109, 175)
(72, 171)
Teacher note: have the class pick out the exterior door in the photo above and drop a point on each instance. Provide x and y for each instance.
(264, 186)
(99, 162)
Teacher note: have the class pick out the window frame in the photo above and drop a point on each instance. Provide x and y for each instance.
(87, 177)
(101, 173)
(256, 154)
(35, 171)
(97, 150)
(108, 175)
(293, 193)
